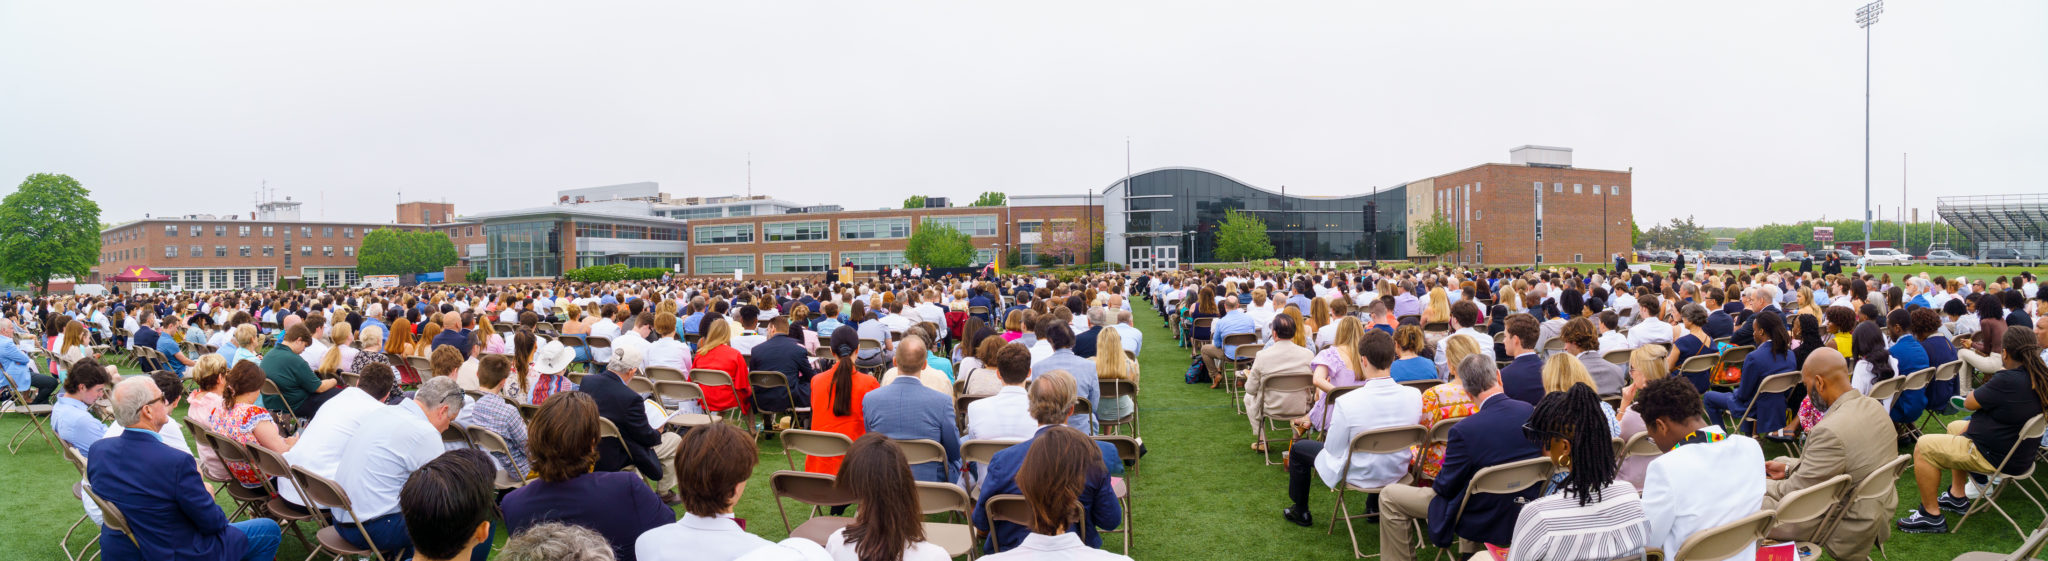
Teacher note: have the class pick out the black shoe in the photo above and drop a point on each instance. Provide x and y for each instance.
(1958, 505)
(1920, 523)
(1299, 516)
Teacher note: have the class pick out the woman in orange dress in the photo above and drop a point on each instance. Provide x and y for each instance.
(836, 396)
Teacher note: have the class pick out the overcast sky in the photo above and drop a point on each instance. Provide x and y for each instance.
(1740, 113)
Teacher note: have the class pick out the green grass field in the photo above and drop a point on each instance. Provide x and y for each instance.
(1200, 494)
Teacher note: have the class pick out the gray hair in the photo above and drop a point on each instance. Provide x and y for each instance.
(1099, 317)
(1477, 374)
(438, 391)
(555, 541)
(131, 395)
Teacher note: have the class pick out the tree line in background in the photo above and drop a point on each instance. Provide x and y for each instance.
(987, 198)
(388, 251)
(1919, 236)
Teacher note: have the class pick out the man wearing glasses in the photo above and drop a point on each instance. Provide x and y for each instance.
(158, 490)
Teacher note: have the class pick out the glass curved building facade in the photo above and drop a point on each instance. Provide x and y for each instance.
(1163, 217)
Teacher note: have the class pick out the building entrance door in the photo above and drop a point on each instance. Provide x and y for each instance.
(1166, 256)
(1141, 258)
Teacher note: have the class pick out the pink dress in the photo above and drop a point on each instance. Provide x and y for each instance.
(240, 425)
(1340, 376)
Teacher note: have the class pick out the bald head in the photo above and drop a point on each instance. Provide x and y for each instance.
(910, 355)
(1826, 375)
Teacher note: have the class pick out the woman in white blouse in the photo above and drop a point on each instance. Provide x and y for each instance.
(889, 524)
(1873, 362)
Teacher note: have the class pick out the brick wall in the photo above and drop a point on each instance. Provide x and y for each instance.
(1501, 229)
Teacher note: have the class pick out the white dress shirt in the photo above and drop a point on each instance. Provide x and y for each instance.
(1647, 331)
(897, 323)
(1442, 347)
(1380, 403)
(1613, 341)
(320, 445)
(631, 338)
(1695, 487)
(698, 538)
(607, 329)
(389, 446)
(1062, 547)
(1040, 350)
(1003, 416)
(837, 547)
(669, 352)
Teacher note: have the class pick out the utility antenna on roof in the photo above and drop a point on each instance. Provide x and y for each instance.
(750, 175)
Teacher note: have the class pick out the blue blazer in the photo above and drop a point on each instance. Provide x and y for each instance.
(622, 405)
(1084, 342)
(904, 409)
(1098, 498)
(1491, 437)
(1523, 381)
(158, 489)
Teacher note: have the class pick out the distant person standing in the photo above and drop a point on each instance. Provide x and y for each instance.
(1678, 263)
(1806, 263)
(1620, 263)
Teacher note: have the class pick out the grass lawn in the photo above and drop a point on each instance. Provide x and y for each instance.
(1201, 493)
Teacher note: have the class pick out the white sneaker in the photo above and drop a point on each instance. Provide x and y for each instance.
(1974, 490)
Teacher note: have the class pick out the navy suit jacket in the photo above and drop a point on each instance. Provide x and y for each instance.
(1084, 342)
(158, 489)
(1719, 324)
(1098, 498)
(623, 406)
(1746, 335)
(904, 409)
(784, 354)
(1491, 437)
(1523, 381)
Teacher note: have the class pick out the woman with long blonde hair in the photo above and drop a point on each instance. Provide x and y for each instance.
(1646, 363)
(1112, 364)
(340, 355)
(1563, 371)
(715, 352)
(1300, 335)
(1318, 314)
(1336, 366)
(1439, 310)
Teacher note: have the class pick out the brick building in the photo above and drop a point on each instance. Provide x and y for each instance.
(785, 245)
(259, 250)
(1537, 209)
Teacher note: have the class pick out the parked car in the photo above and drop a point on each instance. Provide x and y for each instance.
(1886, 256)
(1775, 255)
(1795, 255)
(1946, 255)
(2005, 253)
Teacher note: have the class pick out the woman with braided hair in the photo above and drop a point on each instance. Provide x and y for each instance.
(1979, 444)
(1585, 513)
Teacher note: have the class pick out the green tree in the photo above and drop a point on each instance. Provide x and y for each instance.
(915, 201)
(939, 246)
(1242, 237)
(1635, 234)
(992, 198)
(48, 228)
(389, 251)
(1437, 236)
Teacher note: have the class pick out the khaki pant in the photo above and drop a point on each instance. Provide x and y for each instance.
(1400, 507)
(1954, 451)
(1212, 357)
(666, 451)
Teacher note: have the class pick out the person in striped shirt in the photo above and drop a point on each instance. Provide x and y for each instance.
(1585, 513)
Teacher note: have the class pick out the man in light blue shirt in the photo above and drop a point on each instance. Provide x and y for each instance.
(1234, 321)
(1063, 359)
(72, 417)
(21, 368)
(1133, 338)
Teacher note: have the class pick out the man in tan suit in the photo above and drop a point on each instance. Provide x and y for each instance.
(1281, 357)
(1855, 437)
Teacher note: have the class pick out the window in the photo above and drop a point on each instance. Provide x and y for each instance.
(305, 231)
(984, 256)
(1476, 187)
(193, 230)
(198, 251)
(220, 251)
(724, 264)
(245, 251)
(873, 260)
(349, 233)
(242, 231)
(326, 251)
(874, 228)
(242, 279)
(805, 231)
(1578, 189)
(269, 231)
(269, 251)
(305, 251)
(170, 230)
(170, 251)
(1557, 187)
(348, 250)
(468, 231)
(796, 262)
(980, 225)
(734, 233)
(220, 231)
(1578, 258)
(1614, 190)
(1596, 189)
(1030, 226)
(327, 232)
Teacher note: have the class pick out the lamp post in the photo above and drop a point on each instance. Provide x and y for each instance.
(1866, 17)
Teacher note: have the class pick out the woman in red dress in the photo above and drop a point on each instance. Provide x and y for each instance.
(715, 352)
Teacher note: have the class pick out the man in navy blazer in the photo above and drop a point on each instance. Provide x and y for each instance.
(1522, 378)
(643, 447)
(158, 491)
(1052, 399)
(1490, 437)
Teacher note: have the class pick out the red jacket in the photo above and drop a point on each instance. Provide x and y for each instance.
(720, 398)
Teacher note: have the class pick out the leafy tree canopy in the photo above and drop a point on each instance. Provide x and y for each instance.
(992, 198)
(1242, 237)
(49, 228)
(388, 251)
(915, 201)
(939, 246)
(1437, 236)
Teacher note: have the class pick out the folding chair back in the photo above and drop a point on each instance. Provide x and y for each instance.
(1386, 440)
(816, 443)
(491, 442)
(1423, 385)
(941, 498)
(664, 373)
(1918, 379)
(456, 433)
(111, 515)
(1554, 345)
(1617, 356)
(641, 385)
(327, 494)
(1440, 431)
(349, 379)
(1505, 479)
(77, 460)
(764, 379)
(1812, 503)
(1008, 508)
(1948, 371)
(423, 366)
(1726, 540)
(708, 378)
(922, 451)
(817, 490)
(1734, 355)
(681, 392)
(1886, 388)
(1126, 448)
(1330, 400)
(1771, 385)
(984, 451)
(1640, 445)
(1240, 339)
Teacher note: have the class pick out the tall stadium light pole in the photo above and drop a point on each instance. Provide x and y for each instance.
(1866, 17)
